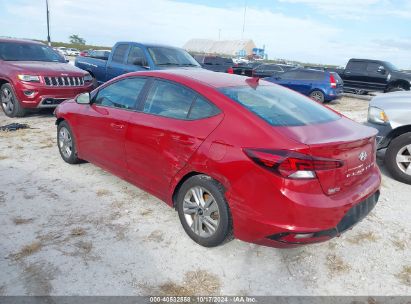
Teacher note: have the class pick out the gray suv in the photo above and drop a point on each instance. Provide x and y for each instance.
(390, 114)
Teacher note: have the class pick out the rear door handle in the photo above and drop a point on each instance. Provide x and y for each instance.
(117, 126)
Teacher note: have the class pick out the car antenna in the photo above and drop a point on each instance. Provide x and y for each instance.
(253, 82)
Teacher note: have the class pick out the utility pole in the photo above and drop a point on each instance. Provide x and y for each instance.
(245, 12)
(48, 23)
(219, 34)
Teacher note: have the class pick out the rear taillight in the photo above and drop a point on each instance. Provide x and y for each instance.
(230, 71)
(333, 81)
(291, 164)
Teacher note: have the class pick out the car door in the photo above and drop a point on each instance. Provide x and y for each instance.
(355, 75)
(102, 126)
(115, 67)
(173, 123)
(377, 76)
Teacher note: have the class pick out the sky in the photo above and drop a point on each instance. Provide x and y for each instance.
(314, 31)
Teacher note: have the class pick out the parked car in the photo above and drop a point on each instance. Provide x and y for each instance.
(85, 53)
(244, 69)
(230, 153)
(270, 69)
(319, 85)
(61, 50)
(33, 75)
(390, 114)
(127, 57)
(363, 75)
(73, 52)
(215, 63)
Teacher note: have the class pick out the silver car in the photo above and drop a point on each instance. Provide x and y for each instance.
(390, 114)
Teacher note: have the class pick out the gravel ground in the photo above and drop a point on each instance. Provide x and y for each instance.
(77, 230)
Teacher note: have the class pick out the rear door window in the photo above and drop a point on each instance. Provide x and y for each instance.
(202, 109)
(279, 106)
(169, 100)
(119, 53)
(356, 66)
(136, 53)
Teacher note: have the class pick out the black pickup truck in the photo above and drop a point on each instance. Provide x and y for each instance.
(364, 75)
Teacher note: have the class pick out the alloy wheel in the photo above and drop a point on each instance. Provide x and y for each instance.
(65, 142)
(201, 212)
(317, 96)
(403, 159)
(7, 101)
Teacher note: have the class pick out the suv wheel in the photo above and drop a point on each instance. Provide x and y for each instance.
(317, 96)
(397, 88)
(398, 158)
(203, 211)
(66, 143)
(9, 102)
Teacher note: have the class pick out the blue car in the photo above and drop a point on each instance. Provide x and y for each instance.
(321, 86)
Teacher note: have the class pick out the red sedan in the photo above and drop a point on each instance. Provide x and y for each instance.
(234, 155)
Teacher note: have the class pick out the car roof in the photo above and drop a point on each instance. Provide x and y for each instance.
(20, 40)
(148, 44)
(209, 78)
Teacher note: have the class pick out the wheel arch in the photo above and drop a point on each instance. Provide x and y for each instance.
(394, 134)
(399, 82)
(183, 179)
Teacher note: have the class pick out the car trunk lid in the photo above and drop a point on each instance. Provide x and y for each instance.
(344, 140)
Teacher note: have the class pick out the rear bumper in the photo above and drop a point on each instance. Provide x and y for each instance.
(333, 94)
(350, 219)
(267, 214)
(41, 96)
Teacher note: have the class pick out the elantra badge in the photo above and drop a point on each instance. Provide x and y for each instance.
(363, 156)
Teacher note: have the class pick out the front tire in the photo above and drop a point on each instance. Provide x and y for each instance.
(398, 158)
(9, 102)
(317, 96)
(66, 143)
(203, 211)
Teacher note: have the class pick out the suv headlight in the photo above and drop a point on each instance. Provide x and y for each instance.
(29, 78)
(88, 77)
(377, 115)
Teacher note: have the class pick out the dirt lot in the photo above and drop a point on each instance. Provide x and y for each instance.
(77, 230)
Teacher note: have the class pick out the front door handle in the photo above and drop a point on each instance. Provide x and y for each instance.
(117, 126)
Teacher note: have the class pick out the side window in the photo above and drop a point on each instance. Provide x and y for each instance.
(122, 94)
(170, 100)
(202, 109)
(373, 67)
(357, 66)
(136, 54)
(291, 75)
(120, 52)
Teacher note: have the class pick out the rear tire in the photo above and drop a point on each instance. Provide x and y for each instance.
(67, 144)
(397, 88)
(204, 212)
(318, 96)
(9, 103)
(398, 158)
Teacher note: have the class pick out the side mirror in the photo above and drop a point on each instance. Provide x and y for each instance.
(381, 70)
(83, 98)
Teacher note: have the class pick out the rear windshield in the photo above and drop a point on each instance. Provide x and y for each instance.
(279, 106)
(14, 51)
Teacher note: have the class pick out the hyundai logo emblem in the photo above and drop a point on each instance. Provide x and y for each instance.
(363, 156)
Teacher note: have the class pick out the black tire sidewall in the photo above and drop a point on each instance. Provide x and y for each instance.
(217, 191)
(73, 159)
(18, 111)
(391, 155)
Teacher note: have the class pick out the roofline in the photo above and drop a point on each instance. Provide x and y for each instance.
(20, 40)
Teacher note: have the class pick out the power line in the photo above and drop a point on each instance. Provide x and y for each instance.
(48, 23)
